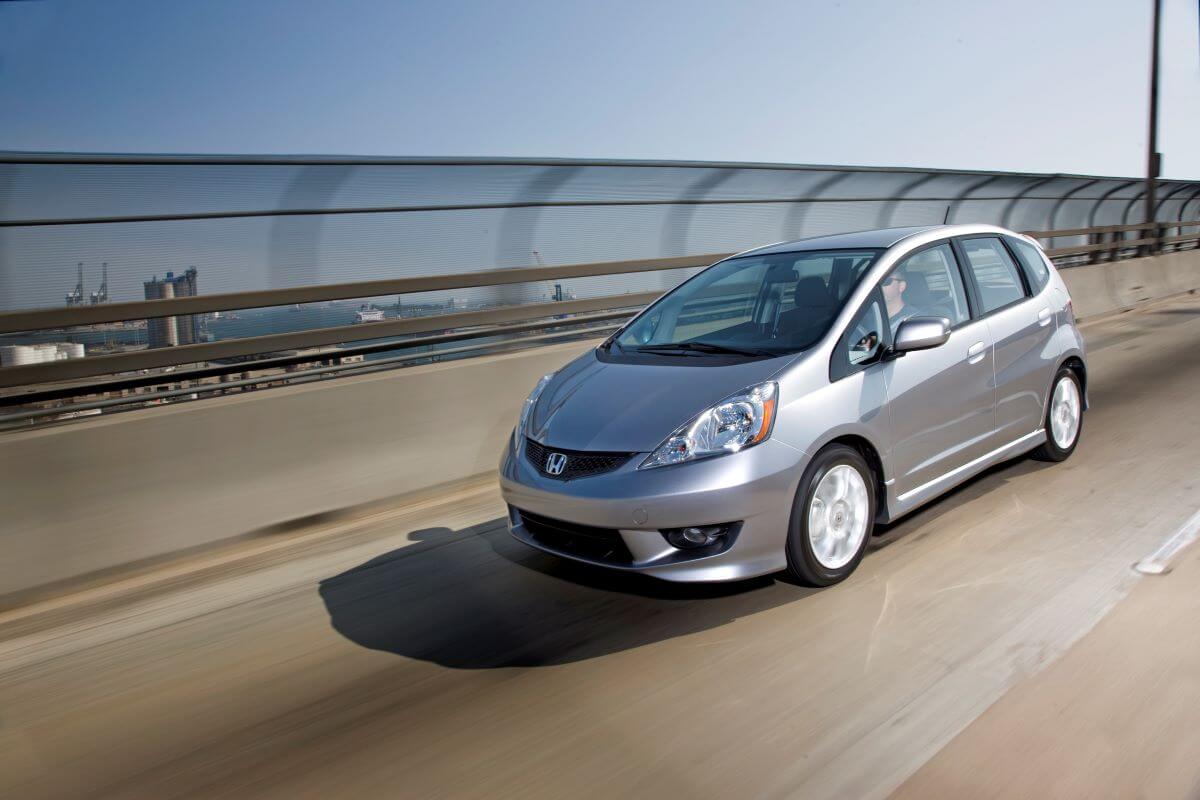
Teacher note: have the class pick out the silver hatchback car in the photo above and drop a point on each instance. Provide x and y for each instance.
(769, 411)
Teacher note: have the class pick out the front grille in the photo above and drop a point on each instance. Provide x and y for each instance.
(580, 463)
(593, 544)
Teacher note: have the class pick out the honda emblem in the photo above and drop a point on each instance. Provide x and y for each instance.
(555, 464)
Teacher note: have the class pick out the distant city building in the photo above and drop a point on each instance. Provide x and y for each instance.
(172, 331)
(18, 355)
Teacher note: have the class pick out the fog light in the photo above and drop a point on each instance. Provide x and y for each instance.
(700, 536)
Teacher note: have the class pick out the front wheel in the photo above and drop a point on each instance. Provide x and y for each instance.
(832, 517)
(1064, 418)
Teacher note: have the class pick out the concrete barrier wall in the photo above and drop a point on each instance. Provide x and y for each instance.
(1100, 289)
(105, 492)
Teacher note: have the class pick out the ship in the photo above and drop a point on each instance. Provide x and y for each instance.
(368, 313)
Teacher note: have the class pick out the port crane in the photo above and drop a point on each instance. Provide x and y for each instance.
(100, 295)
(75, 298)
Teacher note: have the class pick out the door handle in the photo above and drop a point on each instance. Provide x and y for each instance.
(1044, 317)
(976, 352)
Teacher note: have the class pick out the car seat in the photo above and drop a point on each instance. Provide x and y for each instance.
(814, 308)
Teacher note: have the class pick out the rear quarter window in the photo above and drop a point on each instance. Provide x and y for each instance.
(1032, 262)
(996, 275)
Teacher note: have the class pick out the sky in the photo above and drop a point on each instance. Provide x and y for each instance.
(1026, 85)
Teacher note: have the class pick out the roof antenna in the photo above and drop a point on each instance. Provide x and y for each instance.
(946, 218)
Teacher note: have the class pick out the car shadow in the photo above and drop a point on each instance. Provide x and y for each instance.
(478, 599)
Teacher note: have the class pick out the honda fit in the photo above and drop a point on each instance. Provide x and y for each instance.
(771, 410)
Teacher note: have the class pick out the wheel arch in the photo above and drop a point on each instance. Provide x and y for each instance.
(1075, 363)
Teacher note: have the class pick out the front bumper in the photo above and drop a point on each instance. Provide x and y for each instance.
(753, 489)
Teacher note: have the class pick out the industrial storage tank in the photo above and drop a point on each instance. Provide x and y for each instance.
(19, 355)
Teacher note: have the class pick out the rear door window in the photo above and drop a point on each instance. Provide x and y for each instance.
(995, 273)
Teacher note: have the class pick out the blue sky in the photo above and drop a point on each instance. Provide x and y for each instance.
(1030, 85)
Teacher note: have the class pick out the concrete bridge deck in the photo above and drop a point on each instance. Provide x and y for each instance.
(996, 643)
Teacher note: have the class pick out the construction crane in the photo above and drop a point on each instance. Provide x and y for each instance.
(557, 295)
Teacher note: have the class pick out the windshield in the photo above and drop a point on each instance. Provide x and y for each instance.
(755, 306)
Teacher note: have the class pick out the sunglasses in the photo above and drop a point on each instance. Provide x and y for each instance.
(889, 280)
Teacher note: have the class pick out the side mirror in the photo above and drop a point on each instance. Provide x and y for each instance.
(921, 333)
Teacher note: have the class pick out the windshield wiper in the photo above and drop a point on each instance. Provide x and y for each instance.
(703, 347)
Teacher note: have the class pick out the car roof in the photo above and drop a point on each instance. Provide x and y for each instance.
(882, 237)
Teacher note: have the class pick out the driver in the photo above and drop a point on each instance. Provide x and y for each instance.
(894, 286)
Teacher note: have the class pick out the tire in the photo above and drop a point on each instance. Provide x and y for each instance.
(1056, 448)
(827, 552)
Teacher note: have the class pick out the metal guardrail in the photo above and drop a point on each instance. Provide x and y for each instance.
(231, 348)
(19, 321)
(512, 333)
(470, 324)
(1116, 240)
(40, 319)
(172, 206)
(188, 386)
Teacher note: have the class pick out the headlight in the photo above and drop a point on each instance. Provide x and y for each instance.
(734, 424)
(529, 404)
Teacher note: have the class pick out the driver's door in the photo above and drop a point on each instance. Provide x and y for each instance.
(941, 401)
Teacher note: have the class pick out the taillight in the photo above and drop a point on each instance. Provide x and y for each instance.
(1070, 312)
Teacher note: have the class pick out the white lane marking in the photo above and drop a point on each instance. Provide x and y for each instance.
(1159, 561)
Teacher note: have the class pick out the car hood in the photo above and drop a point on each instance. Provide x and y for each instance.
(621, 407)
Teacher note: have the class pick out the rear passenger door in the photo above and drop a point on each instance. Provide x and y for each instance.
(1021, 326)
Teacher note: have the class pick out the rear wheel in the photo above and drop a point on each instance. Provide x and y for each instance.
(1064, 418)
(833, 516)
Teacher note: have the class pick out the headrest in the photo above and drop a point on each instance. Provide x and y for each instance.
(811, 293)
(917, 292)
